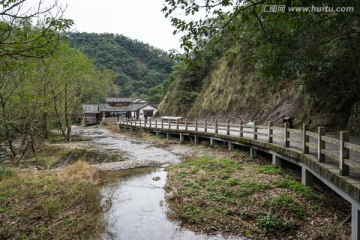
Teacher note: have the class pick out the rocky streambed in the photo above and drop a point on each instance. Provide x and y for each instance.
(138, 209)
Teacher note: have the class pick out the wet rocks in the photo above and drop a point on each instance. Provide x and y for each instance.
(157, 178)
(135, 152)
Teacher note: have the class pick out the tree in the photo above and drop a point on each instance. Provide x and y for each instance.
(37, 94)
(74, 80)
(21, 36)
(317, 52)
(217, 18)
(8, 86)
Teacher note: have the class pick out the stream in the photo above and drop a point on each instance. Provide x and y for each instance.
(138, 209)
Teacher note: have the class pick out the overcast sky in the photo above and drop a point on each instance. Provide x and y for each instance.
(137, 19)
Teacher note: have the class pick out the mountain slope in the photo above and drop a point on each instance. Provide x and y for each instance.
(228, 91)
(139, 66)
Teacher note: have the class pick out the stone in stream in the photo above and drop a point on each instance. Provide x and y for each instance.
(165, 165)
(157, 178)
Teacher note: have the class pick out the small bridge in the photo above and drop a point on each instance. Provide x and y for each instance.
(334, 160)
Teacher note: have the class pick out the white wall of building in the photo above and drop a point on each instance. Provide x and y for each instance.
(147, 108)
(142, 110)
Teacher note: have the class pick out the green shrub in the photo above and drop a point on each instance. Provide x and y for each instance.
(6, 172)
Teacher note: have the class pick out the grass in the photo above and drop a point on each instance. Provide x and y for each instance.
(296, 186)
(237, 196)
(6, 172)
(53, 155)
(269, 169)
(50, 205)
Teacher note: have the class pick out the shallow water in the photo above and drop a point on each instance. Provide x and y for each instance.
(138, 208)
(138, 211)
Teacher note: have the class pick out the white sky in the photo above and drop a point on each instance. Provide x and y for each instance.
(136, 19)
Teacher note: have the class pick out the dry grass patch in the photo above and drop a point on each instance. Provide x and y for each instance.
(80, 171)
(51, 205)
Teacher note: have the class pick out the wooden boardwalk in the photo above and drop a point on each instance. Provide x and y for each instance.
(329, 146)
(335, 160)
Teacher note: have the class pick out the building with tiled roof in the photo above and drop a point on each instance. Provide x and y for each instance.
(118, 107)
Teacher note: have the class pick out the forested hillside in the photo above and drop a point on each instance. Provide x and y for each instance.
(139, 66)
(249, 64)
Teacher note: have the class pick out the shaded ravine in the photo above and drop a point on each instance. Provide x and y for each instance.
(138, 209)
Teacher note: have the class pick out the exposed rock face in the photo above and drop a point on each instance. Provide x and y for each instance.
(354, 120)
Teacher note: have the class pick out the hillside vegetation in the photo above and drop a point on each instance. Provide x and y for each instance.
(228, 93)
(255, 65)
(139, 66)
(43, 81)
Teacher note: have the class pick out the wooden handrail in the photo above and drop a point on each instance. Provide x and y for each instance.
(312, 134)
(269, 133)
(352, 146)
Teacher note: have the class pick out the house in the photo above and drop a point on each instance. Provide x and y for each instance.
(118, 107)
(146, 111)
(140, 101)
(91, 113)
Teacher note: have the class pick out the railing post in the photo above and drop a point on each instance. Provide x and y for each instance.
(216, 126)
(286, 134)
(321, 144)
(162, 124)
(186, 125)
(344, 153)
(254, 131)
(196, 125)
(155, 123)
(270, 132)
(150, 123)
(241, 129)
(140, 122)
(205, 126)
(181, 137)
(305, 139)
(227, 127)
(177, 124)
(169, 124)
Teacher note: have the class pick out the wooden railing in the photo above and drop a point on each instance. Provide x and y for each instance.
(298, 139)
(109, 120)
